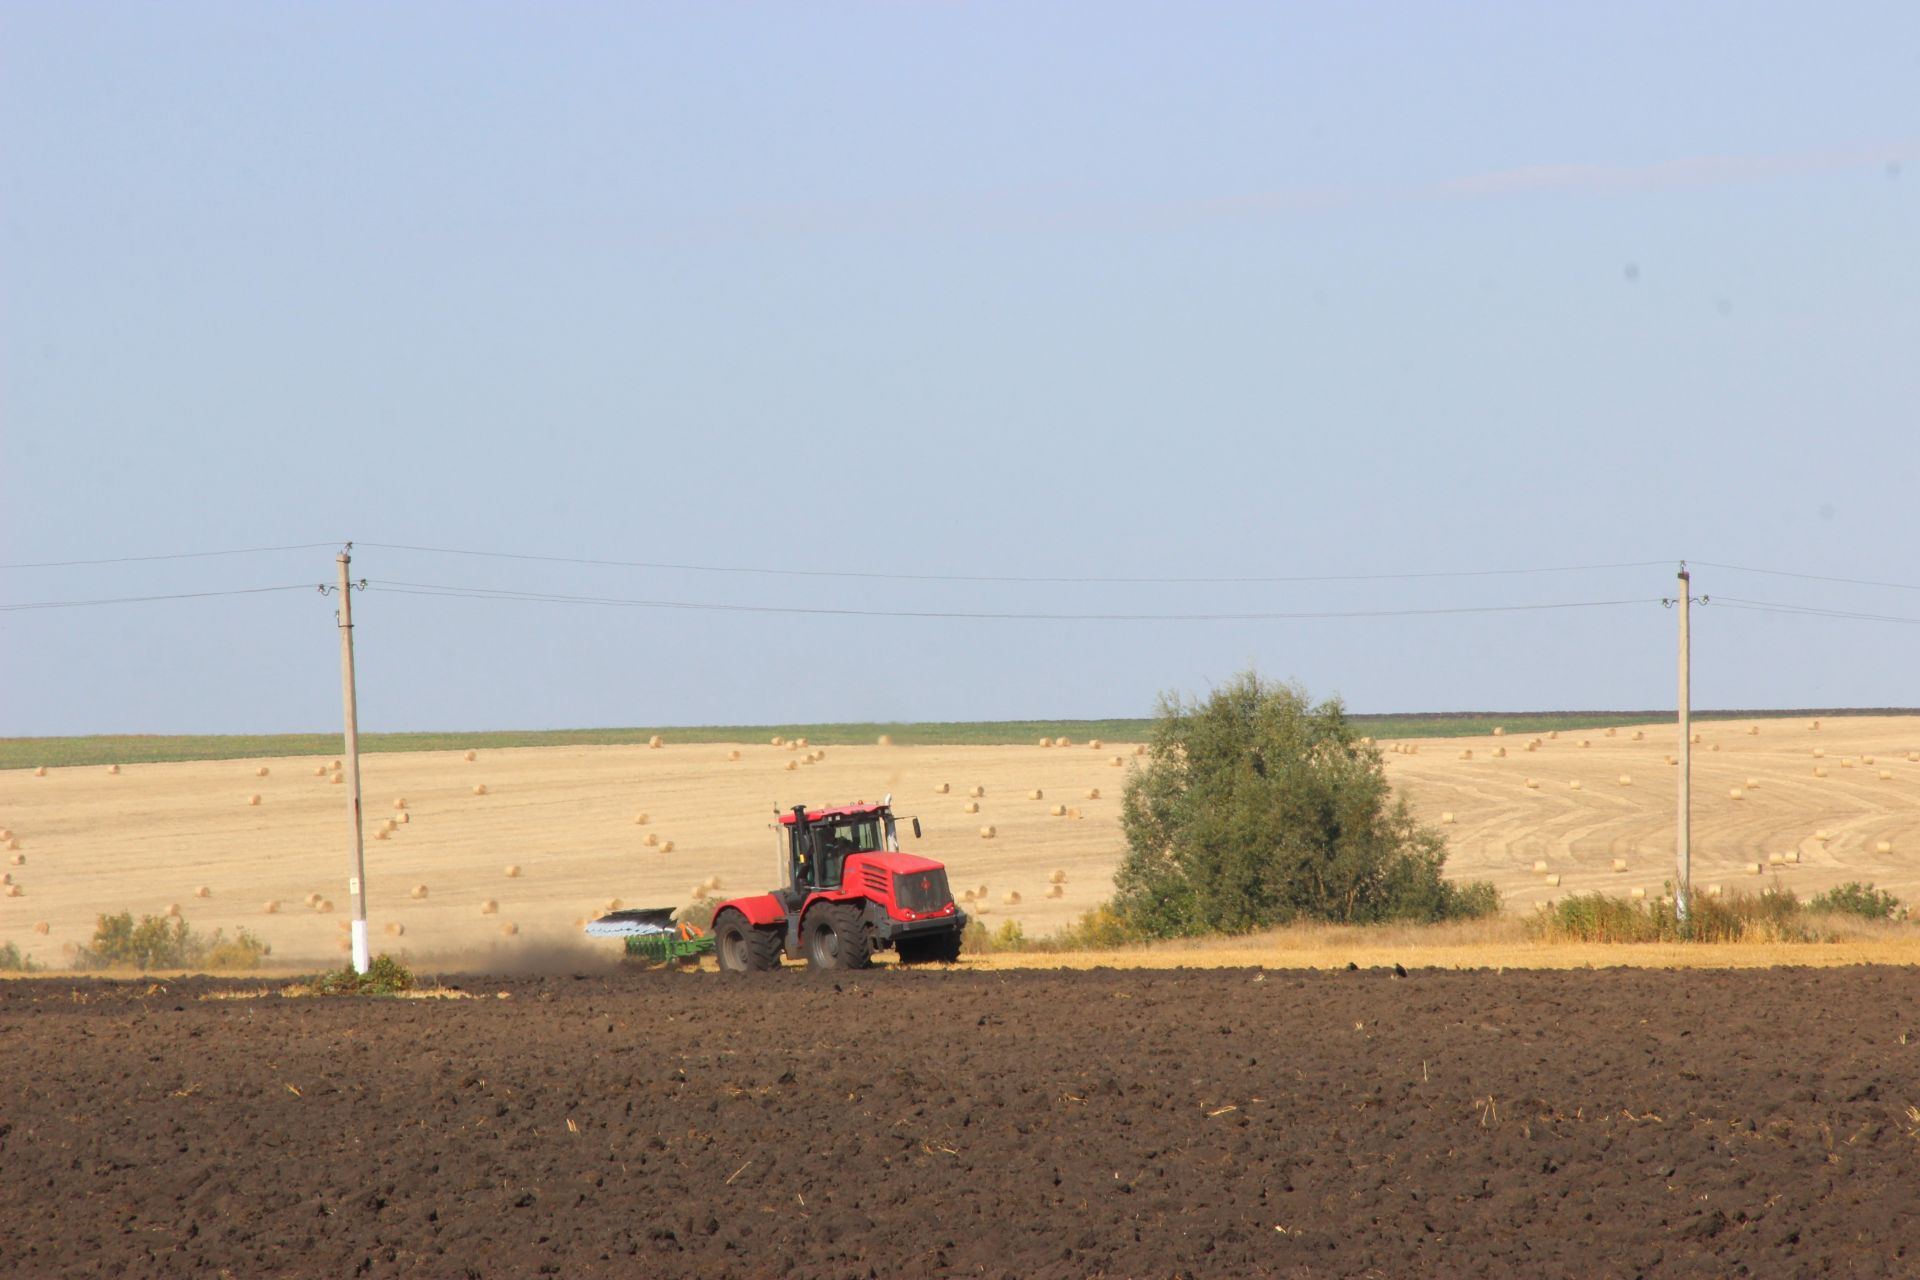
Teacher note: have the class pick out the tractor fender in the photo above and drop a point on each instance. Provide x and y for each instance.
(761, 910)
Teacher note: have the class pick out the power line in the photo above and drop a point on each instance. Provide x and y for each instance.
(1807, 610)
(1083, 579)
(183, 595)
(177, 555)
(1812, 577)
(444, 591)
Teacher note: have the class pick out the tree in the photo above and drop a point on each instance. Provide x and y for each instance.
(1257, 807)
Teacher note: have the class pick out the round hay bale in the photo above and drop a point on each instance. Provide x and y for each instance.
(651, 841)
(971, 806)
(733, 754)
(1063, 742)
(382, 833)
(1752, 783)
(202, 891)
(1446, 819)
(1056, 891)
(1533, 784)
(666, 846)
(395, 929)
(1846, 762)
(1814, 725)
(793, 766)
(697, 890)
(15, 891)
(1056, 877)
(1574, 785)
(1822, 835)
(1697, 738)
(777, 741)
(1609, 732)
(612, 905)
(1883, 847)
(654, 743)
(1793, 855)
(1539, 867)
(1011, 898)
(513, 871)
(1637, 893)
(966, 895)
(1046, 742)
(1713, 746)
(1500, 753)
(345, 926)
(320, 771)
(941, 789)
(419, 891)
(1753, 731)
(312, 900)
(1553, 733)
(324, 906)
(1754, 868)
(1886, 775)
(41, 927)
(986, 833)
(1819, 753)
(977, 792)
(1093, 793)
(1670, 760)
(479, 788)
(399, 803)
(980, 891)
(1619, 864)
(1115, 762)
(335, 779)
(113, 768)
(1737, 793)
(1093, 744)
(344, 945)
(253, 800)
(1639, 736)
(1058, 811)
(472, 756)
(1819, 773)
(1626, 779)
(886, 740)
(1713, 891)
(640, 819)
(40, 771)
(1036, 794)
(173, 910)
(1467, 754)
(18, 860)
(1866, 759)
(6, 833)
(1140, 749)
(1499, 731)
(1553, 882)
(1776, 859)
(489, 907)
(271, 907)
(1913, 757)
(1534, 745)
(713, 884)
(508, 928)
(1586, 742)
(406, 817)
(262, 771)
(799, 742)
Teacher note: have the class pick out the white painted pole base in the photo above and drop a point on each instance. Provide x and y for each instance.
(360, 960)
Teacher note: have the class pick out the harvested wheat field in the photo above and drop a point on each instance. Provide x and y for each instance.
(443, 830)
(567, 819)
(1807, 832)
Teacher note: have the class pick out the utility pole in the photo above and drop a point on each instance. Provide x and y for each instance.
(1683, 882)
(357, 868)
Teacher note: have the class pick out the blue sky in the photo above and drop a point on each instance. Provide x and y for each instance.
(1087, 291)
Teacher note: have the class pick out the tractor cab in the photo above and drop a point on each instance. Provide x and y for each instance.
(816, 844)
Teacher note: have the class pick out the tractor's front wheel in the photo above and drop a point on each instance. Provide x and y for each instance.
(743, 948)
(837, 937)
(940, 948)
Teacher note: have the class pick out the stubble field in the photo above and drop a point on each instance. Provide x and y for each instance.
(148, 837)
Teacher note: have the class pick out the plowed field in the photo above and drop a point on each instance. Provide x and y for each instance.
(1184, 1123)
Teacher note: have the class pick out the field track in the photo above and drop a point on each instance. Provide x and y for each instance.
(1222, 1123)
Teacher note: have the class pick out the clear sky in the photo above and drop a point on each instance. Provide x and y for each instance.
(995, 291)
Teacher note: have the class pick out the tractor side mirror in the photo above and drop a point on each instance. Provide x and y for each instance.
(916, 828)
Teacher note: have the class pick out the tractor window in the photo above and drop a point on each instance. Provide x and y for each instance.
(837, 839)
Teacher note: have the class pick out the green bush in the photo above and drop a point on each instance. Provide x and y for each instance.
(165, 942)
(1258, 808)
(13, 960)
(385, 976)
(1856, 899)
(1773, 915)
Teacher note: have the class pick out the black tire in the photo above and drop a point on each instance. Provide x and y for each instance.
(741, 948)
(837, 937)
(939, 948)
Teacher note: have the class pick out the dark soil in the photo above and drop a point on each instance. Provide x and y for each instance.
(1199, 1123)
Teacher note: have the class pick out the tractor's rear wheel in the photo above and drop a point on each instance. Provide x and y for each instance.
(939, 948)
(837, 937)
(743, 948)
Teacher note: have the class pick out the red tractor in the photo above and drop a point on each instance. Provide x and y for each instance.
(849, 892)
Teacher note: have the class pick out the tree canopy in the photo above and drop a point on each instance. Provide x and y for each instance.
(1258, 807)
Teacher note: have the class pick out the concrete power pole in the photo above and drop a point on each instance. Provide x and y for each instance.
(1682, 885)
(357, 868)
